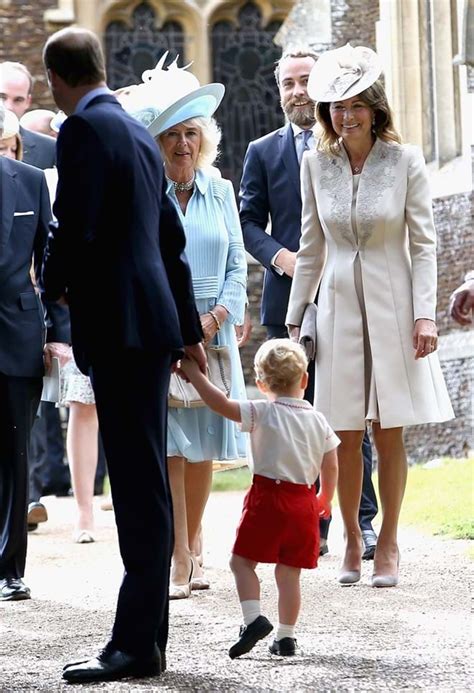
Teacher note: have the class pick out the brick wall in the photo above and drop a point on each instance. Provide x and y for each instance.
(454, 220)
(353, 21)
(23, 34)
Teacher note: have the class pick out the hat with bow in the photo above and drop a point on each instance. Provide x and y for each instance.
(169, 96)
(343, 72)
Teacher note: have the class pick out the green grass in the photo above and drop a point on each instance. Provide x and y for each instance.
(440, 500)
(232, 480)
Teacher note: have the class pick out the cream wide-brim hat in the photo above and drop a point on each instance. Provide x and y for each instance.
(343, 73)
(11, 126)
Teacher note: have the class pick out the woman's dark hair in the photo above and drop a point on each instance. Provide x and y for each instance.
(383, 127)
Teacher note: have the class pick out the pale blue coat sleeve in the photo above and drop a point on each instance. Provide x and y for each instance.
(234, 291)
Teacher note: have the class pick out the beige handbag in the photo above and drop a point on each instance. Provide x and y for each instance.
(182, 394)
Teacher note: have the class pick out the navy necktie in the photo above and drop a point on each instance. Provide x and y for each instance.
(305, 135)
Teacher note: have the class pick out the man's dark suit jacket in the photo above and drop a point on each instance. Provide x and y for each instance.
(25, 215)
(270, 187)
(38, 150)
(117, 254)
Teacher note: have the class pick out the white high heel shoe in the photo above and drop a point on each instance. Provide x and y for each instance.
(386, 580)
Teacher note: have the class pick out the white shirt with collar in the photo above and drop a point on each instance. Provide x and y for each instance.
(288, 438)
(299, 148)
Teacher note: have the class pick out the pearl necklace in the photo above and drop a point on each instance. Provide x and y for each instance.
(183, 187)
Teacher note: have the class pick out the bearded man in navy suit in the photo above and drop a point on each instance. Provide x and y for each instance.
(117, 258)
(270, 189)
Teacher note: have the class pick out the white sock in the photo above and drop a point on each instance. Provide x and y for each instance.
(250, 610)
(285, 632)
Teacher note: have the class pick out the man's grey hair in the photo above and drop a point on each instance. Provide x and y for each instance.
(300, 52)
(2, 116)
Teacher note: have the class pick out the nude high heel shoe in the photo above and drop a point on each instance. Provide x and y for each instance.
(348, 577)
(386, 580)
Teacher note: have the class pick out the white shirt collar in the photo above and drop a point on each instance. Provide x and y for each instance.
(296, 129)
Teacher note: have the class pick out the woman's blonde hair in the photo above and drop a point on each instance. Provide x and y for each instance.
(280, 364)
(383, 127)
(210, 139)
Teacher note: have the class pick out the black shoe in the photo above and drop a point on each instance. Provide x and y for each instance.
(323, 547)
(286, 647)
(58, 490)
(32, 527)
(250, 635)
(82, 661)
(370, 543)
(13, 590)
(36, 513)
(111, 665)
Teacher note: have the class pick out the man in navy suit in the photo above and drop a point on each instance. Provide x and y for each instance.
(116, 256)
(16, 87)
(24, 217)
(47, 468)
(270, 189)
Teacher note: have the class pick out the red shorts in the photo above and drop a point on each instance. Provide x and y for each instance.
(279, 524)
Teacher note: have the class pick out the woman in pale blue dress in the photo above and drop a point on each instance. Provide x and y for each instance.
(188, 139)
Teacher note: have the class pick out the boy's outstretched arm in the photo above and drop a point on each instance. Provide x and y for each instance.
(328, 482)
(211, 395)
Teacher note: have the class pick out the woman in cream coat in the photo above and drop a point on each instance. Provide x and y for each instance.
(368, 244)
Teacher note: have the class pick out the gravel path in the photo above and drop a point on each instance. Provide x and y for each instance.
(414, 637)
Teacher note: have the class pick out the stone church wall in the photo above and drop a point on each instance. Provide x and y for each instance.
(22, 36)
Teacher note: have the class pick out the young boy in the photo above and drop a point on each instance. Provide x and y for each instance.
(290, 445)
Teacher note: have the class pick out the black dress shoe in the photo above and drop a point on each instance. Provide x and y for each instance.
(286, 647)
(13, 590)
(59, 490)
(250, 635)
(81, 661)
(323, 547)
(370, 543)
(111, 665)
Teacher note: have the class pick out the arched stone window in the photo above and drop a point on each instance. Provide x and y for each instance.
(130, 50)
(243, 58)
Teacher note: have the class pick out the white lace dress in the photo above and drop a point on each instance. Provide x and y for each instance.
(74, 386)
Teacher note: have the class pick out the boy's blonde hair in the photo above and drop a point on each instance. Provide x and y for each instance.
(280, 364)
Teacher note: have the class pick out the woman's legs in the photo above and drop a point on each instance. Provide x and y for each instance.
(197, 482)
(392, 470)
(181, 563)
(349, 489)
(82, 450)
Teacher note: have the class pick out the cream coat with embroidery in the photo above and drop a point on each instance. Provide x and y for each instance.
(397, 248)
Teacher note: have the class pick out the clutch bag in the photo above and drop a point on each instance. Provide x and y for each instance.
(307, 337)
(184, 395)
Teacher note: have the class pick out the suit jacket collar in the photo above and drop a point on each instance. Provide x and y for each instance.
(288, 155)
(102, 98)
(8, 193)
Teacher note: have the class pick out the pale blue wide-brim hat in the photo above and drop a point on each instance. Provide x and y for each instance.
(169, 97)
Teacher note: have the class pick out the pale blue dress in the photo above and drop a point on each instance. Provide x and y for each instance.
(216, 255)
